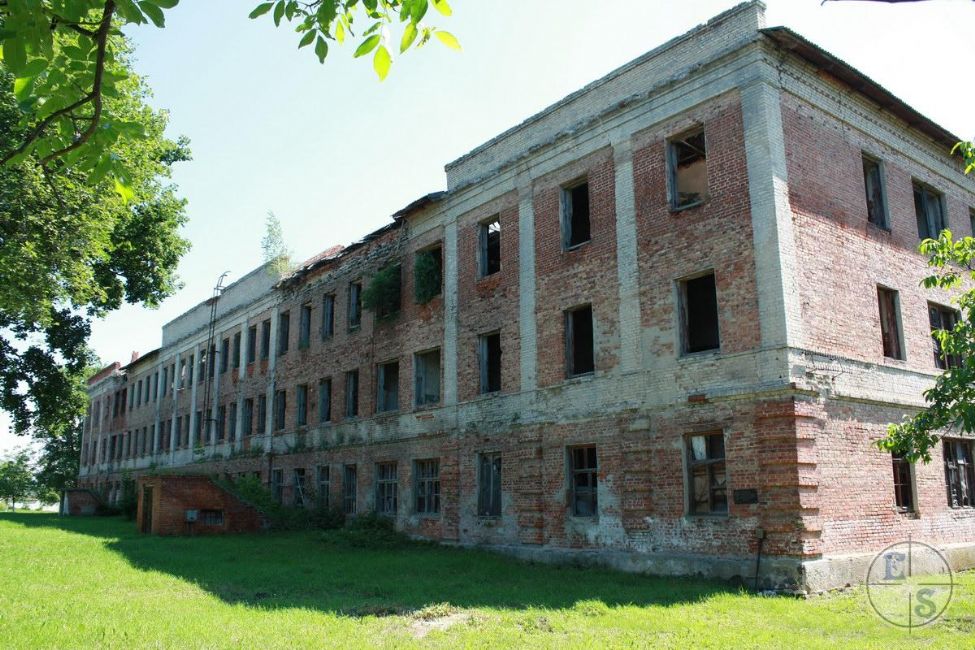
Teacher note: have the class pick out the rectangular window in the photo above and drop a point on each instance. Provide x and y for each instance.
(699, 311)
(575, 215)
(236, 350)
(328, 316)
(210, 361)
(428, 274)
(299, 487)
(930, 211)
(265, 339)
(355, 305)
(324, 400)
(584, 481)
(201, 366)
(211, 517)
(428, 378)
(301, 417)
(579, 356)
(489, 247)
(903, 484)
(224, 355)
(890, 326)
(247, 426)
(252, 344)
(304, 327)
(179, 431)
(200, 427)
(322, 478)
(387, 488)
(349, 489)
(232, 422)
(687, 159)
(489, 485)
(352, 393)
(959, 472)
(873, 182)
(262, 413)
(387, 386)
(942, 318)
(277, 485)
(182, 377)
(138, 394)
(489, 362)
(165, 381)
(284, 332)
(389, 298)
(221, 423)
(427, 477)
(280, 406)
(706, 475)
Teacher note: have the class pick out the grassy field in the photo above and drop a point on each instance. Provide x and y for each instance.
(74, 583)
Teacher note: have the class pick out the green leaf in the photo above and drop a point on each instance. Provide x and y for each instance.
(381, 62)
(409, 35)
(339, 32)
(22, 88)
(14, 55)
(154, 13)
(306, 39)
(34, 67)
(165, 4)
(321, 49)
(126, 192)
(448, 39)
(442, 7)
(278, 12)
(419, 10)
(260, 10)
(367, 46)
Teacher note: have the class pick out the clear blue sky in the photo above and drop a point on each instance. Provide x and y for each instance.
(333, 152)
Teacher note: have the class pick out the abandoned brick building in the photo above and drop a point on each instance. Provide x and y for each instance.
(659, 324)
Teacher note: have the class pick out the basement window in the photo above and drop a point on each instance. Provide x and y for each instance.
(929, 210)
(903, 484)
(280, 405)
(301, 416)
(427, 477)
(387, 488)
(584, 477)
(352, 393)
(489, 485)
(265, 339)
(211, 517)
(873, 183)
(355, 305)
(387, 387)
(428, 378)
(959, 472)
(579, 356)
(304, 327)
(942, 318)
(687, 159)
(489, 362)
(706, 475)
(284, 332)
(575, 215)
(890, 326)
(489, 247)
(349, 484)
(699, 312)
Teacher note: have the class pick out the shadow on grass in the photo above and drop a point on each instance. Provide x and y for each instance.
(272, 570)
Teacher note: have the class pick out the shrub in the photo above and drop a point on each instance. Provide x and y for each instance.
(326, 518)
(281, 517)
(367, 531)
(428, 276)
(129, 502)
(382, 296)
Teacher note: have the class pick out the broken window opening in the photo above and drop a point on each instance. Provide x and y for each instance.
(890, 328)
(942, 318)
(579, 354)
(387, 488)
(251, 344)
(236, 351)
(301, 416)
(489, 245)
(284, 332)
(299, 487)
(427, 390)
(873, 183)
(489, 362)
(929, 210)
(706, 475)
(280, 404)
(903, 484)
(428, 274)
(688, 169)
(349, 489)
(265, 339)
(324, 400)
(387, 387)
(247, 426)
(224, 355)
(959, 472)
(262, 413)
(352, 393)
(575, 215)
(700, 314)
(427, 476)
(304, 327)
(489, 485)
(277, 485)
(322, 476)
(328, 315)
(355, 305)
(584, 481)
(232, 423)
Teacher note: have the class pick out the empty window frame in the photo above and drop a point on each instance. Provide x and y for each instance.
(224, 355)
(489, 247)
(355, 305)
(298, 480)
(252, 344)
(706, 474)
(929, 209)
(322, 478)
(890, 325)
(221, 423)
(427, 380)
(489, 485)
(236, 350)
(349, 489)
(280, 406)
(873, 183)
(427, 486)
(387, 387)
(328, 316)
(428, 274)
(579, 354)
(389, 297)
(387, 488)
(304, 327)
(138, 395)
(699, 314)
(211, 517)
(232, 422)
(352, 393)
(277, 485)
(262, 413)
(324, 400)
(265, 339)
(575, 215)
(942, 318)
(301, 414)
(165, 381)
(688, 167)
(583, 481)
(489, 362)
(247, 425)
(959, 472)
(903, 484)
(210, 361)
(284, 332)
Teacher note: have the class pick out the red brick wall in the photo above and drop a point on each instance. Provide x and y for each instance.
(173, 495)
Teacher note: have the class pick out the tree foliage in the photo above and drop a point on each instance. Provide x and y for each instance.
(276, 252)
(428, 277)
(16, 479)
(383, 295)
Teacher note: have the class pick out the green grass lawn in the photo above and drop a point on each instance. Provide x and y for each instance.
(87, 582)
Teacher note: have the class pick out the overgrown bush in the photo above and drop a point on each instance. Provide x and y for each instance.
(428, 276)
(367, 531)
(382, 296)
(281, 517)
(128, 504)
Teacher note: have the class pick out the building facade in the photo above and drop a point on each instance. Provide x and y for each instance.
(659, 324)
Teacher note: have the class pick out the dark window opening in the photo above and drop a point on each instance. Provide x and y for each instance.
(328, 316)
(942, 318)
(247, 426)
(352, 393)
(489, 245)
(298, 498)
(428, 274)
(489, 361)
(265, 339)
(301, 416)
(304, 327)
(959, 472)
(575, 215)
(280, 405)
(262, 413)
(929, 210)
(252, 344)
(324, 400)
(355, 305)
(890, 330)
(277, 485)
(221, 424)
(688, 169)
(707, 479)
(489, 485)
(874, 185)
(349, 489)
(284, 332)
(232, 422)
(700, 314)
(903, 485)
(427, 390)
(584, 481)
(224, 355)
(236, 350)
(387, 488)
(211, 517)
(427, 473)
(580, 359)
(323, 487)
(387, 387)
